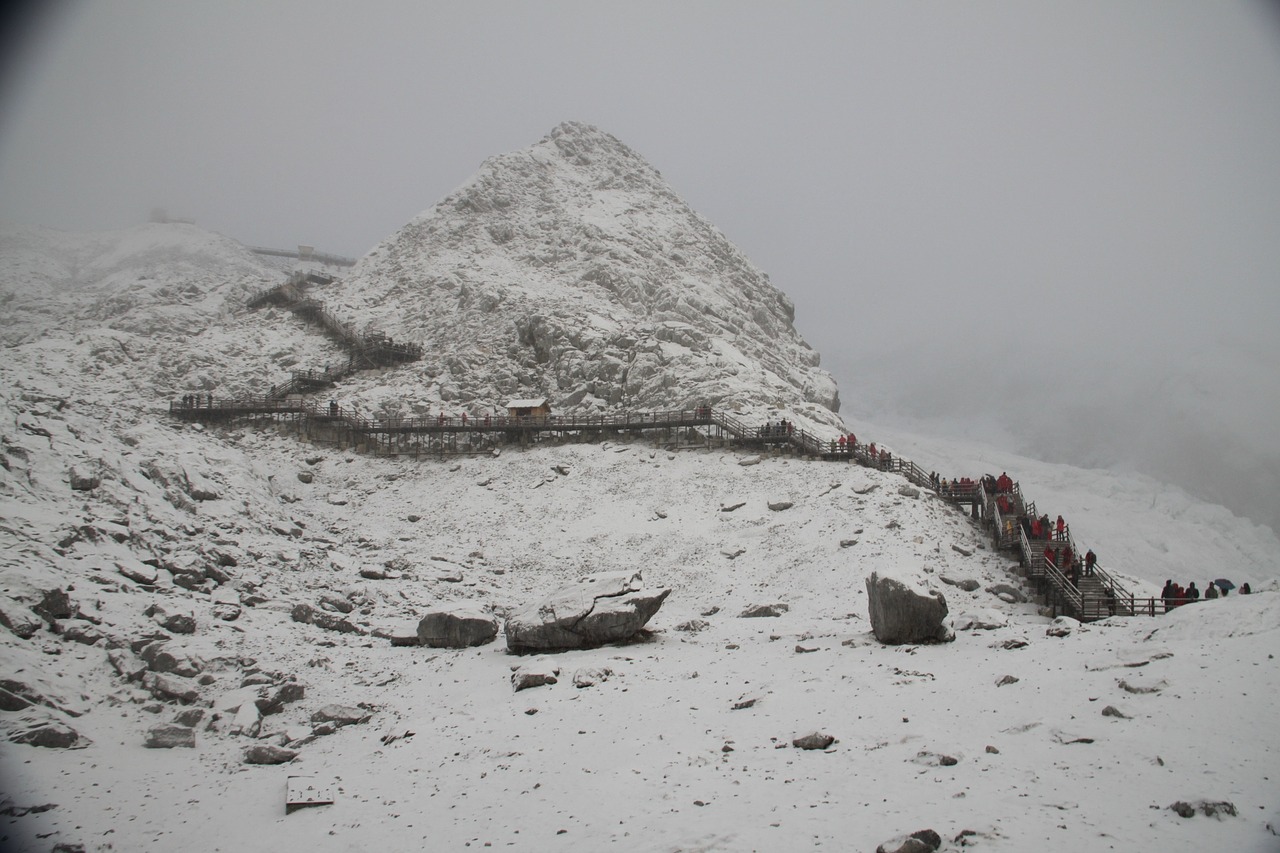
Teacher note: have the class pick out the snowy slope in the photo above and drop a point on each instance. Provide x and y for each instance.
(639, 760)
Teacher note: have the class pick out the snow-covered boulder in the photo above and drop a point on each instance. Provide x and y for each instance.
(606, 607)
(901, 614)
(457, 628)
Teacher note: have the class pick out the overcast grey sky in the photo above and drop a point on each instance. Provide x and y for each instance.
(1062, 217)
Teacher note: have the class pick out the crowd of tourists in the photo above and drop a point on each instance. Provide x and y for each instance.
(781, 430)
(1177, 595)
(195, 401)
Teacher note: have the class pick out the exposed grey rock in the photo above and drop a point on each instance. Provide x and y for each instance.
(18, 619)
(55, 604)
(1139, 686)
(815, 740)
(967, 584)
(848, 543)
(175, 621)
(83, 480)
(981, 620)
(1011, 594)
(305, 476)
(1113, 711)
(170, 736)
(16, 695)
(779, 506)
(309, 615)
(337, 603)
(935, 759)
(923, 841)
(78, 632)
(607, 607)
(733, 507)
(750, 460)
(126, 665)
(900, 614)
(589, 676)
(165, 657)
(909, 491)
(1209, 808)
(190, 717)
(247, 721)
(1006, 679)
(203, 491)
(693, 626)
(758, 611)
(227, 605)
(138, 572)
(1062, 626)
(533, 675)
(964, 552)
(457, 628)
(340, 715)
(733, 553)
(265, 753)
(290, 691)
(189, 580)
(170, 688)
(48, 733)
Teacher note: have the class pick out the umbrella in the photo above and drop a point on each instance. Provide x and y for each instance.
(1223, 583)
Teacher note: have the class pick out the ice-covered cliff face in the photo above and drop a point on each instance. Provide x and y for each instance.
(572, 270)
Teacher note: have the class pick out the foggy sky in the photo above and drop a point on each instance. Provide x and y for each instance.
(1056, 225)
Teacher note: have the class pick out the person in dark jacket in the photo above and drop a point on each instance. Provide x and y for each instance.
(1091, 560)
(1211, 591)
(1191, 593)
(1169, 595)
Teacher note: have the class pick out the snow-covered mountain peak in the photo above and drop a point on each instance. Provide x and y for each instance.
(571, 269)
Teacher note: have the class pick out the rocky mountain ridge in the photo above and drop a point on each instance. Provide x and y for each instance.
(572, 270)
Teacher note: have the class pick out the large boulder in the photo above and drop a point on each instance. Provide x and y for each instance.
(170, 736)
(457, 628)
(901, 614)
(607, 607)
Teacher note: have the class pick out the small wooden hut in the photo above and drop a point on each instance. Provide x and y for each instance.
(533, 408)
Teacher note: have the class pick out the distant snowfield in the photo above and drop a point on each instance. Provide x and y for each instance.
(655, 757)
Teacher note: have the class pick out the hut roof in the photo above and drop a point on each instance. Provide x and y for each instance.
(535, 403)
